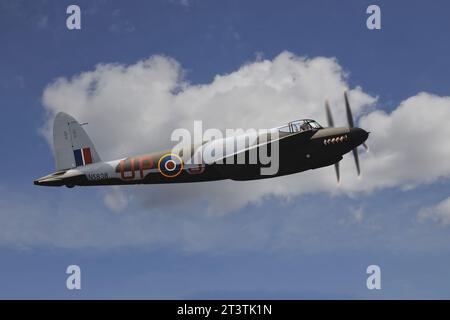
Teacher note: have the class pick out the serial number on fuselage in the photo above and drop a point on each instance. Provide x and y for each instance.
(97, 176)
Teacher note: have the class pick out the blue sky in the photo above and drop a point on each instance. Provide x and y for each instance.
(208, 38)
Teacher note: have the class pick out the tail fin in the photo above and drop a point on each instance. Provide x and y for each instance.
(73, 147)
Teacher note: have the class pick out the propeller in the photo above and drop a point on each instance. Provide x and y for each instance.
(350, 125)
(331, 124)
(336, 168)
(355, 155)
(349, 116)
(329, 116)
(349, 111)
(366, 146)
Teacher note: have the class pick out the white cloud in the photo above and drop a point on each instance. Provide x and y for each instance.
(133, 109)
(439, 213)
(356, 215)
(74, 220)
(115, 200)
(122, 27)
(410, 145)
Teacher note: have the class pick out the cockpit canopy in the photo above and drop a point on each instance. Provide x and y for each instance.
(300, 125)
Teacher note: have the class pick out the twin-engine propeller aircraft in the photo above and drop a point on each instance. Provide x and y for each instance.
(302, 145)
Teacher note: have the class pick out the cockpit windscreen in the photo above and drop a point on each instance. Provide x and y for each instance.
(300, 125)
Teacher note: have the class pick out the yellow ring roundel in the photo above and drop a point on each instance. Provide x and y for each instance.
(170, 165)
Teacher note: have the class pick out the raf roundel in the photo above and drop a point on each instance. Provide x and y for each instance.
(170, 165)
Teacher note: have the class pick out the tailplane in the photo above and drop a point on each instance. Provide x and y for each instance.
(73, 147)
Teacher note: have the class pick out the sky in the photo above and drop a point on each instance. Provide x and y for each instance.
(137, 70)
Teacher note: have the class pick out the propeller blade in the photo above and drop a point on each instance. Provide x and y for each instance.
(355, 155)
(329, 116)
(349, 111)
(336, 168)
(366, 146)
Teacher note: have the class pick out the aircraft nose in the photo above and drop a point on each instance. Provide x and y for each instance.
(358, 135)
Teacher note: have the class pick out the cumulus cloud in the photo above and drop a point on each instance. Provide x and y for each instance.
(133, 109)
(316, 224)
(74, 220)
(115, 199)
(439, 213)
(356, 215)
(410, 145)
